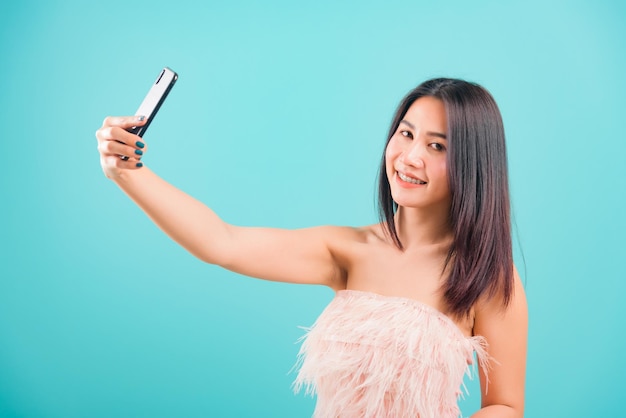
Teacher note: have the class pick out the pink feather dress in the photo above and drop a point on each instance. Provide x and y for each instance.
(369, 355)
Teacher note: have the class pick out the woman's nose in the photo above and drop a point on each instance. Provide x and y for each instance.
(414, 154)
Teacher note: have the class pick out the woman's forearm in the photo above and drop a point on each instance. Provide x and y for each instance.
(186, 220)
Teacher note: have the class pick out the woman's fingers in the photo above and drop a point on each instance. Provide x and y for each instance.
(124, 122)
(118, 148)
(115, 147)
(116, 133)
(112, 163)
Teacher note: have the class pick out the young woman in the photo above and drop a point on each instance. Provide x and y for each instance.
(417, 294)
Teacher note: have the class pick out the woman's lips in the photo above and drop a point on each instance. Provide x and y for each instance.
(410, 180)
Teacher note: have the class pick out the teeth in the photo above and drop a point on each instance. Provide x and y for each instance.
(410, 179)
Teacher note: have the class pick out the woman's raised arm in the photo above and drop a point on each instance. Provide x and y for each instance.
(297, 256)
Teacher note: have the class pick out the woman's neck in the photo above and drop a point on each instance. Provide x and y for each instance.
(417, 227)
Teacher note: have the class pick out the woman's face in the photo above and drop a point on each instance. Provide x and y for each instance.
(416, 160)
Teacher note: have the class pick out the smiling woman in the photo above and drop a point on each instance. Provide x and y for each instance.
(416, 157)
(463, 119)
(416, 294)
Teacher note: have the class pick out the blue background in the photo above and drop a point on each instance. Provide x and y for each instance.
(279, 118)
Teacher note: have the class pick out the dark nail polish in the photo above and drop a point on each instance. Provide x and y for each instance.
(141, 118)
(138, 152)
(139, 165)
(140, 144)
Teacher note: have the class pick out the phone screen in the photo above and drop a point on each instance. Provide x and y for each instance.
(154, 99)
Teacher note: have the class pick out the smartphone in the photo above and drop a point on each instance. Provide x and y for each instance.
(154, 99)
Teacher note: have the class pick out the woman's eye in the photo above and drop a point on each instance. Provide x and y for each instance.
(437, 146)
(406, 134)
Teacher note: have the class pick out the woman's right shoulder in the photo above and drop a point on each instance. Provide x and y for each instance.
(355, 234)
(346, 245)
(347, 242)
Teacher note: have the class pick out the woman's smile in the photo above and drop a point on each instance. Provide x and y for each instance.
(405, 180)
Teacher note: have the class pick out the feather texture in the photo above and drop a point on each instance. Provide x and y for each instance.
(369, 355)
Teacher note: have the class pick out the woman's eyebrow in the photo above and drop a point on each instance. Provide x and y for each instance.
(429, 133)
(407, 123)
(437, 134)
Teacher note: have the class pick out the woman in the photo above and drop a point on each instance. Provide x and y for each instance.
(417, 294)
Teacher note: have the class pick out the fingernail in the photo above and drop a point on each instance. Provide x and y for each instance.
(139, 165)
(140, 144)
(138, 152)
(141, 118)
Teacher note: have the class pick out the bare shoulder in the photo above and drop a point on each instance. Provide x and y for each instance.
(494, 307)
(344, 241)
(348, 245)
(353, 235)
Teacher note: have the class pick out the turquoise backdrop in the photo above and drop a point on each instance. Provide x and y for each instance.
(278, 119)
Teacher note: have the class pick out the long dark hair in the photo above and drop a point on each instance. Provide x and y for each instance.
(480, 257)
